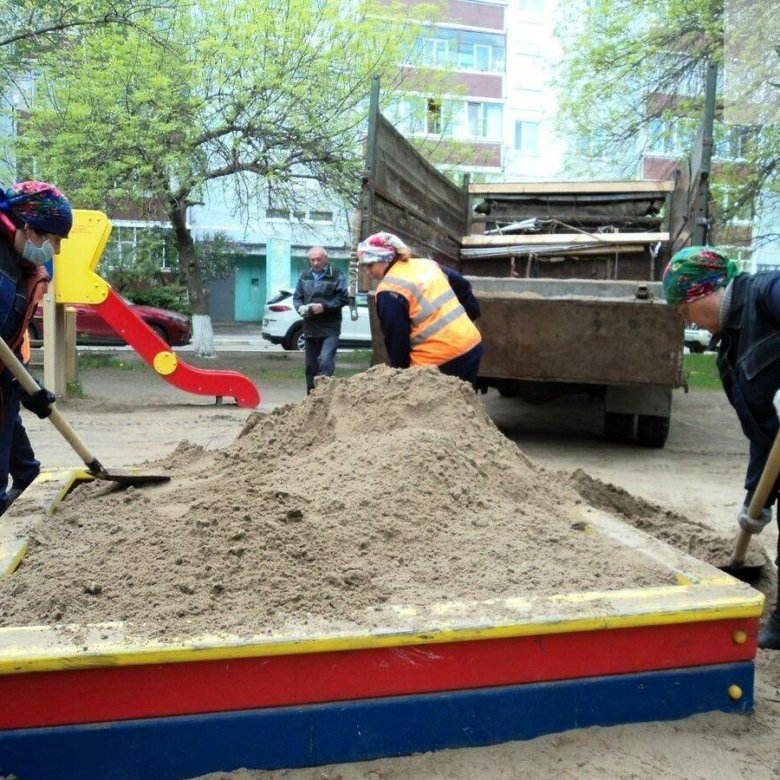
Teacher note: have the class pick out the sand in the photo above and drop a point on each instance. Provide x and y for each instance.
(391, 487)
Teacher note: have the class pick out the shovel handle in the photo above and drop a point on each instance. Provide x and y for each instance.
(740, 548)
(23, 376)
(757, 503)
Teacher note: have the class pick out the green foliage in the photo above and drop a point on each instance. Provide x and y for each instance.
(217, 255)
(147, 270)
(74, 389)
(96, 360)
(135, 261)
(234, 91)
(701, 371)
(169, 296)
(261, 97)
(632, 64)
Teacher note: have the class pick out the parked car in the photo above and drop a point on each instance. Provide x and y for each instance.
(283, 325)
(697, 339)
(171, 326)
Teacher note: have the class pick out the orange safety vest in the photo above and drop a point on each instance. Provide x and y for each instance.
(440, 329)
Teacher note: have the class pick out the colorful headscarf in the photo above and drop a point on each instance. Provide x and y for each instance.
(37, 204)
(381, 248)
(696, 272)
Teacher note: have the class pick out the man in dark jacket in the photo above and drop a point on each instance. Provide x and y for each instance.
(707, 288)
(320, 295)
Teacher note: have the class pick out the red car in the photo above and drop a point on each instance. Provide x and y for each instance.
(173, 327)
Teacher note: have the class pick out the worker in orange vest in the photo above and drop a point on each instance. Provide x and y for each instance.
(426, 311)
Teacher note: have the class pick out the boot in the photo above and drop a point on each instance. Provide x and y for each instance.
(769, 636)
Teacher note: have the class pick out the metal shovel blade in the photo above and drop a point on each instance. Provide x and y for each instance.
(126, 477)
(14, 365)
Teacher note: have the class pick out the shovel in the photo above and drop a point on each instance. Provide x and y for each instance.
(95, 468)
(737, 567)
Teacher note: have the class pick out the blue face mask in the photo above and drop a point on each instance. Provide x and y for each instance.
(38, 255)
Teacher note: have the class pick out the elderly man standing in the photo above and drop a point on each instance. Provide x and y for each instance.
(707, 288)
(320, 295)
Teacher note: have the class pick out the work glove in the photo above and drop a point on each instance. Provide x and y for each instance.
(754, 525)
(303, 310)
(39, 402)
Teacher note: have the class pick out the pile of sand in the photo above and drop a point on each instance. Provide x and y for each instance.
(391, 487)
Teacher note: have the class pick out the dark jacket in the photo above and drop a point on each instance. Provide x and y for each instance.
(21, 287)
(749, 363)
(331, 291)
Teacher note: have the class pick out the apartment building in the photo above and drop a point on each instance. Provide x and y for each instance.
(495, 114)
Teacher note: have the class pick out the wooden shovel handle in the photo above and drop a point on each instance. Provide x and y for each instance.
(22, 375)
(757, 503)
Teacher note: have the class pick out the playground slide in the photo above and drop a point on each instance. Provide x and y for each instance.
(156, 353)
(76, 281)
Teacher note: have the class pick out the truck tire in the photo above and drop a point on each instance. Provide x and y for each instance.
(618, 427)
(652, 431)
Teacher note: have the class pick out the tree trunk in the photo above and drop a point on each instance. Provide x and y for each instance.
(202, 333)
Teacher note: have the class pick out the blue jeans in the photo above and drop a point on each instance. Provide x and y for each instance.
(320, 358)
(17, 458)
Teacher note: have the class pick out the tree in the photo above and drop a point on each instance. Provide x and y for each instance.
(634, 68)
(29, 27)
(255, 97)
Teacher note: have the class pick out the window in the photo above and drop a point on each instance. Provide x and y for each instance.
(591, 144)
(464, 49)
(483, 120)
(529, 6)
(527, 137)
(433, 117)
(671, 138)
(727, 198)
(321, 216)
(731, 141)
(277, 214)
(132, 244)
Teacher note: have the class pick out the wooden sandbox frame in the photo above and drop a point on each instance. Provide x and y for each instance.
(91, 701)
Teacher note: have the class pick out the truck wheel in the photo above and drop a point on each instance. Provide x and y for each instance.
(618, 427)
(652, 431)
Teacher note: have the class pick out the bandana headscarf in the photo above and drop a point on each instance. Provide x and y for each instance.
(39, 205)
(696, 272)
(381, 248)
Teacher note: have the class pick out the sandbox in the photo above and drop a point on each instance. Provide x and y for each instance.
(376, 571)
(93, 700)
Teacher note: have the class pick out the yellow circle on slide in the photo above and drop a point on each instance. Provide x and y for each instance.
(165, 363)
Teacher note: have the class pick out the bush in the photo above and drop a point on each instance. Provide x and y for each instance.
(170, 296)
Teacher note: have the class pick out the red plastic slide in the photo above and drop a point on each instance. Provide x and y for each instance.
(169, 366)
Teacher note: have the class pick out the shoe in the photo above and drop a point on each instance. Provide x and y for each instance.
(769, 635)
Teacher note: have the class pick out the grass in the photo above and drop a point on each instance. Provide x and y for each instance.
(701, 371)
(106, 361)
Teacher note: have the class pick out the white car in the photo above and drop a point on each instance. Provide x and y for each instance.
(697, 339)
(283, 325)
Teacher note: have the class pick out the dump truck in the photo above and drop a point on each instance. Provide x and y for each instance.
(567, 274)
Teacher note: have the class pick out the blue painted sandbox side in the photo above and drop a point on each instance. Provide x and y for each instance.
(186, 746)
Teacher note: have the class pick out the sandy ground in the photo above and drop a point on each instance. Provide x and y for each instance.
(131, 416)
